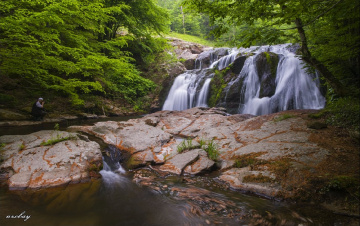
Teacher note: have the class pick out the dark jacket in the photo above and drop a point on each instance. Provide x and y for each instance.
(36, 111)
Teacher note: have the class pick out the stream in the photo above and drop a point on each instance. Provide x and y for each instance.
(128, 197)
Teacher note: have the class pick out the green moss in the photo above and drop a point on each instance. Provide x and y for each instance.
(249, 160)
(94, 167)
(273, 60)
(53, 141)
(21, 147)
(283, 117)
(133, 162)
(257, 179)
(217, 86)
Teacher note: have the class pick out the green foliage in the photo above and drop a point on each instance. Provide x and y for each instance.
(56, 127)
(72, 47)
(191, 38)
(331, 31)
(343, 112)
(7, 99)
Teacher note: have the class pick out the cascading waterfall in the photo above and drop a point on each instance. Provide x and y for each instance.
(186, 91)
(294, 88)
(203, 96)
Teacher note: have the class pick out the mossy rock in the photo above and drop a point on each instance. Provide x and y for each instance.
(266, 65)
(317, 125)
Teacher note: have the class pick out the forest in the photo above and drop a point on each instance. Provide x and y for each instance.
(87, 51)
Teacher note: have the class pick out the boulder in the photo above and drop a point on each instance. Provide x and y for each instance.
(203, 164)
(178, 163)
(266, 66)
(28, 162)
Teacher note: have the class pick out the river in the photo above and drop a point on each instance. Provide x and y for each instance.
(118, 199)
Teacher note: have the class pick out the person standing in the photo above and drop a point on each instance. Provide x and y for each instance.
(38, 110)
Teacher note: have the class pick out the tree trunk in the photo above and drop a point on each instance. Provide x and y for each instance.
(306, 56)
(183, 18)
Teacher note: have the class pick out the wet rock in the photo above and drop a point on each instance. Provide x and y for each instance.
(177, 164)
(30, 164)
(266, 65)
(87, 116)
(235, 176)
(203, 164)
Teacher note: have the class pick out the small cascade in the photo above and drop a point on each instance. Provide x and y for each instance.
(203, 96)
(113, 174)
(259, 86)
(225, 61)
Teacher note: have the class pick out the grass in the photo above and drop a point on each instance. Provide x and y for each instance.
(57, 139)
(191, 38)
(212, 150)
(209, 146)
(185, 145)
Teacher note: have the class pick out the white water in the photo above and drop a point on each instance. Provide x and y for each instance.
(295, 88)
(185, 93)
(114, 178)
(203, 96)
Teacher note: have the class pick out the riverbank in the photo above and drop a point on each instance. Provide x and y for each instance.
(288, 156)
(284, 156)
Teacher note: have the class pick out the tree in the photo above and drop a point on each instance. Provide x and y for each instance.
(72, 47)
(278, 18)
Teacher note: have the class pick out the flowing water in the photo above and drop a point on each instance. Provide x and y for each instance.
(295, 87)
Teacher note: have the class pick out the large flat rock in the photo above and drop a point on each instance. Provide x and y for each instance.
(27, 163)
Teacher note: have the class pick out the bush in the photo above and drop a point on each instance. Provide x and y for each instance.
(343, 112)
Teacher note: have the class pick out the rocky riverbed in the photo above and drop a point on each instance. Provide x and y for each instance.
(288, 155)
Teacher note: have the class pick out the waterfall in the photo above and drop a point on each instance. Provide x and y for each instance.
(295, 88)
(203, 96)
(292, 87)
